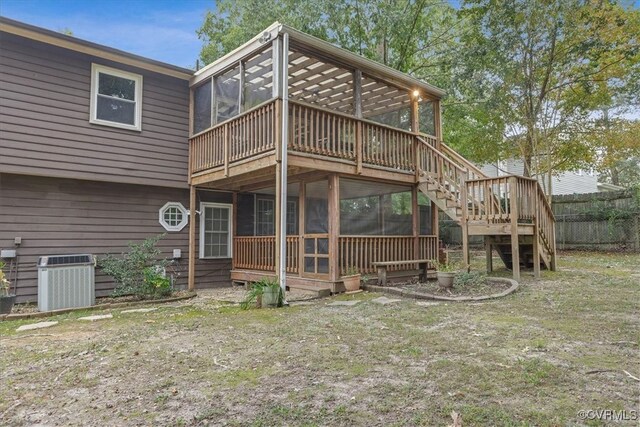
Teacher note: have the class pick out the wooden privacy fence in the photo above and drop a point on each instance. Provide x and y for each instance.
(600, 221)
(596, 221)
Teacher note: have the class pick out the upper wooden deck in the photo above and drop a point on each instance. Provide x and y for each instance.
(318, 139)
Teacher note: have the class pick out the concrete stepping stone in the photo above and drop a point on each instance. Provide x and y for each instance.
(38, 325)
(344, 303)
(96, 317)
(426, 303)
(139, 310)
(385, 300)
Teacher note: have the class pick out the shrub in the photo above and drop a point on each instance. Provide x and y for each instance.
(257, 290)
(472, 278)
(140, 271)
(157, 284)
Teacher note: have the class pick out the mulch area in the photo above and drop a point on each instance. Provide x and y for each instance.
(234, 295)
(488, 287)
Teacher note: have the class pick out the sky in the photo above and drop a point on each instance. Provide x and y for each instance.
(163, 30)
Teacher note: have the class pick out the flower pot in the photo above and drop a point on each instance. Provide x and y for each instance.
(351, 283)
(270, 297)
(6, 303)
(445, 279)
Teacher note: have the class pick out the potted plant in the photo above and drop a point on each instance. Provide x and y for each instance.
(264, 293)
(6, 299)
(351, 279)
(446, 273)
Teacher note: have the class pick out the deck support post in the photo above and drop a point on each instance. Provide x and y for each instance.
(415, 212)
(488, 247)
(464, 224)
(536, 239)
(513, 213)
(191, 281)
(334, 226)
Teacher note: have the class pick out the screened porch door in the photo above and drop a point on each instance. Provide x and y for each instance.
(315, 232)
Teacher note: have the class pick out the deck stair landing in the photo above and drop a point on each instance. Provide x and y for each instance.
(511, 212)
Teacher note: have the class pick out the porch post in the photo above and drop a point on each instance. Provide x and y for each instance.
(191, 281)
(435, 223)
(334, 226)
(415, 212)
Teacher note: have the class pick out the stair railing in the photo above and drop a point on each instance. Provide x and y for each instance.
(450, 176)
(473, 172)
(439, 169)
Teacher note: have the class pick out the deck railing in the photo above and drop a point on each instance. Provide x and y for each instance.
(440, 170)
(519, 197)
(249, 134)
(325, 133)
(259, 253)
(360, 251)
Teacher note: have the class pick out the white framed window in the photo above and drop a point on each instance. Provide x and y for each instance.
(173, 216)
(116, 98)
(216, 223)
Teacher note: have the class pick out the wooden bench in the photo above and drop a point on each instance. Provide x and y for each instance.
(381, 267)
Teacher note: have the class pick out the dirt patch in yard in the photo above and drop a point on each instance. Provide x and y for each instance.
(479, 287)
(520, 360)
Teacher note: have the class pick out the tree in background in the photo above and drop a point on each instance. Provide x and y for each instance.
(523, 78)
(552, 65)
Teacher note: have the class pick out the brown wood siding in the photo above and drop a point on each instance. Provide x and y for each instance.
(44, 120)
(64, 216)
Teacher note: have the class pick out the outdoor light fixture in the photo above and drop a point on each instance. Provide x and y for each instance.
(416, 93)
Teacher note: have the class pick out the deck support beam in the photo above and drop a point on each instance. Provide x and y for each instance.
(192, 238)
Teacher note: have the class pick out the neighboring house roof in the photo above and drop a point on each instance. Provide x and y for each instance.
(68, 42)
(603, 186)
(318, 46)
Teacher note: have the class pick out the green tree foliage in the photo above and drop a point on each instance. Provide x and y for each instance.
(551, 64)
(523, 77)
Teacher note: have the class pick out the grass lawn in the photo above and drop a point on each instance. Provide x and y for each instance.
(518, 361)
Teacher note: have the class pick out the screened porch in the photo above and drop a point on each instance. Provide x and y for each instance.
(371, 221)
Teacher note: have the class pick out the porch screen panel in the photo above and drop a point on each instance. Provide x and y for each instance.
(385, 104)
(427, 117)
(258, 79)
(317, 207)
(265, 216)
(245, 215)
(227, 92)
(424, 206)
(202, 107)
(374, 208)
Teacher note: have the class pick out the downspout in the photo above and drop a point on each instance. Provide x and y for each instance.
(284, 69)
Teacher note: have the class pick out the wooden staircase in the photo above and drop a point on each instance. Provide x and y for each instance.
(511, 212)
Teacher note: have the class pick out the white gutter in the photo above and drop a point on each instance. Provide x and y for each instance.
(282, 268)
